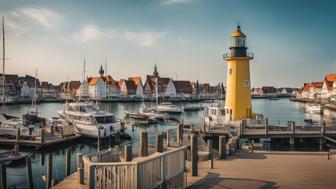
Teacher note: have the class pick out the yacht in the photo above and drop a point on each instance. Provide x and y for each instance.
(214, 116)
(315, 108)
(169, 108)
(88, 120)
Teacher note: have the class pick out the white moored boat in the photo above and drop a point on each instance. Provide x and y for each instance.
(315, 108)
(169, 108)
(87, 120)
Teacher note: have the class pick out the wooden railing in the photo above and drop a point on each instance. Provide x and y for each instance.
(162, 169)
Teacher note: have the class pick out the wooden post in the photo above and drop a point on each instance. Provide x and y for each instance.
(293, 127)
(222, 147)
(168, 138)
(67, 161)
(80, 168)
(42, 156)
(49, 172)
(252, 146)
(194, 155)
(243, 127)
(159, 143)
(52, 130)
(122, 127)
(143, 144)
(42, 136)
(210, 153)
(16, 149)
(128, 152)
(266, 127)
(98, 140)
(323, 132)
(179, 134)
(291, 143)
(62, 132)
(29, 173)
(18, 134)
(30, 131)
(92, 176)
(3, 176)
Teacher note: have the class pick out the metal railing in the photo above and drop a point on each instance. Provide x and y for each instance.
(150, 172)
(232, 55)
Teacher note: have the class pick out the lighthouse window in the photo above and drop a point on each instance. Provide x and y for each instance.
(230, 71)
(246, 83)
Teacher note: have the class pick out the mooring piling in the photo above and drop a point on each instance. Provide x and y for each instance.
(194, 154)
(143, 144)
(29, 172)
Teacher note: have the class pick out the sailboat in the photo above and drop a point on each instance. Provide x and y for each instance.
(9, 123)
(31, 117)
(3, 98)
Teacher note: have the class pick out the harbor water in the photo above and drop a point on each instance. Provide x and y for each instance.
(276, 110)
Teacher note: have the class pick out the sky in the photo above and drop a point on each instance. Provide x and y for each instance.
(293, 41)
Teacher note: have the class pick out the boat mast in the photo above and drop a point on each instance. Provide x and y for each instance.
(157, 91)
(34, 107)
(68, 92)
(3, 64)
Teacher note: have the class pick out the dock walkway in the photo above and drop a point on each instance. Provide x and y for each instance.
(267, 170)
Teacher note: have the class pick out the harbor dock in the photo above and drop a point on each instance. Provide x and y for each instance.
(267, 170)
(46, 138)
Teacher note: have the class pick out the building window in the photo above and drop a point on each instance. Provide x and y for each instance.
(230, 71)
(246, 83)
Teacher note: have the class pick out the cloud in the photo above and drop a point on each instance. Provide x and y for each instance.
(144, 38)
(43, 16)
(92, 32)
(88, 33)
(170, 2)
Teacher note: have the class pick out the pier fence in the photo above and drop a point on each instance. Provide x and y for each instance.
(158, 170)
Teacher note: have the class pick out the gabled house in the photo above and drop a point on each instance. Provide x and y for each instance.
(83, 90)
(112, 86)
(26, 90)
(153, 83)
(68, 90)
(127, 87)
(170, 89)
(47, 90)
(329, 86)
(183, 88)
(269, 91)
(139, 86)
(97, 88)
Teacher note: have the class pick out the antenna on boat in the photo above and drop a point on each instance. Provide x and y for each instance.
(34, 107)
(68, 92)
(3, 65)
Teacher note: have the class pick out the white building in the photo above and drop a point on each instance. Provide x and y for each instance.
(170, 90)
(139, 91)
(83, 90)
(26, 90)
(97, 88)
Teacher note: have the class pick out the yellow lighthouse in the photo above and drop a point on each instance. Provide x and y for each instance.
(238, 104)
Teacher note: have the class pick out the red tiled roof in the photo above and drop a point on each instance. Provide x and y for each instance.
(183, 87)
(136, 80)
(165, 82)
(330, 77)
(93, 80)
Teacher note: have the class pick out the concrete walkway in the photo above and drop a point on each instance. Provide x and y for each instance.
(262, 170)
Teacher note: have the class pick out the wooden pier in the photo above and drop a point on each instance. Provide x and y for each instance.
(48, 137)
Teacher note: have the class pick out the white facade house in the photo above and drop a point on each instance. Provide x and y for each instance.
(26, 91)
(139, 90)
(97, 88)
(83, 90)
(171, 90)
